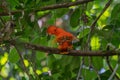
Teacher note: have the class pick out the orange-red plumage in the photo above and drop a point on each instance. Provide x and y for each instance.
(67, 45)
(63, 37)
(54, 30)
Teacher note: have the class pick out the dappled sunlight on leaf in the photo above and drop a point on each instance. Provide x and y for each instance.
(119, 46)
(23, 74)
(4, 59)
(26, 62)
(4, 72)
(31, 70)
(115, 58)
(45, 69)
(39, 72)
(106, 13)
(12, 78)
(95, 43)
(103, 19)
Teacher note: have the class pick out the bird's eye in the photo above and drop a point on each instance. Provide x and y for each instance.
(55, 30)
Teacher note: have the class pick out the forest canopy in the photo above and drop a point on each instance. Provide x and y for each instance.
(28, 52)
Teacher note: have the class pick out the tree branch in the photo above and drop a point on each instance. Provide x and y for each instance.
(50, 7)
(70, 52)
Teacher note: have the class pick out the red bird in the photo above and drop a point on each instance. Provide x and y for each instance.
(63, 38)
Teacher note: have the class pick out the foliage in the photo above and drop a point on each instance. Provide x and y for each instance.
(19, 63)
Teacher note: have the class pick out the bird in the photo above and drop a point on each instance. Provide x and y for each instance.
(62, 37)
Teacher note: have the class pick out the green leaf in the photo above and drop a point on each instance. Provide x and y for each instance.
(47, 2)
(83, 33)
(74, 19)
(75, 61)
(108, 27)
(118, 71)
(115, 12)
(90, 74)
(105, 75)
(51, 21)
(65, 60)
(115, 23)
(51, 61)
(57, 56)
(13, 3)
(107, 33)
(40, 40)
(40, 55)
(86, 61)
(0, 78)
(95, 43)
(97, 62)
(68, 60)
(13, 56)
(60, 12)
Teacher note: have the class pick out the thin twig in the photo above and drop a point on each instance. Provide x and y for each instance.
(92, 27)
(22, 60)
(50, 7)
(110, 67)
(114, 72)
(32, 60)
(93, 68)
(96, 71)
(2, 21)
(80, 69)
